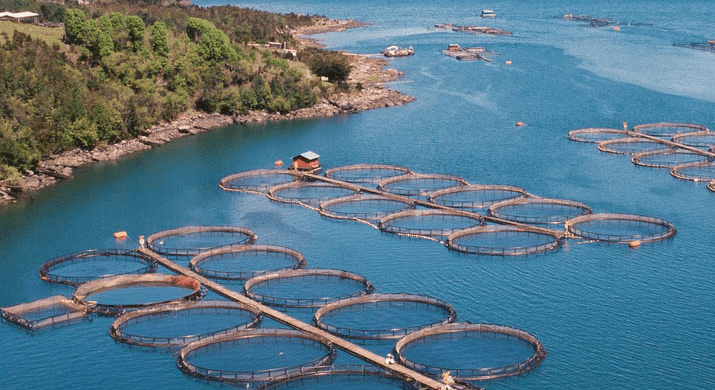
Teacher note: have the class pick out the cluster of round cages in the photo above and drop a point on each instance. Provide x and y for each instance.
(621, 228)
(240, 263)
(80, 267)
(383, 316)
(419, 184)
(192, 240)
(432, 224)
(476, 197)
(222, 358)
(367, 175)
(295, 285)
(467, 352)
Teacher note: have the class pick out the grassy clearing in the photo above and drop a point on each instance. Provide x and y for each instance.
(47, 34)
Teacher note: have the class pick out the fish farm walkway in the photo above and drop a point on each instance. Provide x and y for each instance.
(285, 319)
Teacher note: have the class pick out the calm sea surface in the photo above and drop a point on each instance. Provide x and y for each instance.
(609, 316)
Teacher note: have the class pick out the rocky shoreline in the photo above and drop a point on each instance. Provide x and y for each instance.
(369, 71)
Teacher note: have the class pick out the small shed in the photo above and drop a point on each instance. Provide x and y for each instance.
(306, 161)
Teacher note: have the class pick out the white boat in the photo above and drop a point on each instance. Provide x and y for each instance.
(487, 13)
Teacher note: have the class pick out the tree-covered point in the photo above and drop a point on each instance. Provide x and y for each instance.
(122, 68)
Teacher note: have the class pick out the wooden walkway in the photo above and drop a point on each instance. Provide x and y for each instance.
(285, 319)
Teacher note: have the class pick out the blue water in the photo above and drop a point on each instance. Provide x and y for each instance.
(609, 316)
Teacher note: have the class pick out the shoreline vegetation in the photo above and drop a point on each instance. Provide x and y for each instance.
(365, 91)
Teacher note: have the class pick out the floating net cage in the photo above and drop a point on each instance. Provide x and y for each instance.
(80, 267)
(327, 285)
(310, 194)
(701, 171)
(538, 210)
(668, 129)
(275, 354)
(630, 145)
(352, 377)
(175, 325)
(244, 262)
(698, 139)
(418, 184)
(192, 240)
(502, 240)
(258, 181)
(383, 316)
(429, 223)
(596, 135)
(476, 196)
(365, 174)
(621, 228)
(461, 343)
(127, 292)
(362, 207)
(667, 158)
(43, 313)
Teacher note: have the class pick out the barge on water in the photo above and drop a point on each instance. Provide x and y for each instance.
(473, 29)
(468, 53)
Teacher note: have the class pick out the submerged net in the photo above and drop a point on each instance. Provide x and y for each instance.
(245, 262)
(47, 312)
(667, 129)
(621, 228)
(631, 145)
(538, 210)
(596, 135)
(310, 194)
(383, 316)
(699, 139)
(192, 240)
(175, 325)
(476, 196)
(365, 174)
(363, 207)
(701, 171)
(667, 158)
(435, 224)
(351, 377)
(293, 288)
(80, 267)
(258, 181)
(418, 184)
(461, 344)
(502, 240)
(223, 358)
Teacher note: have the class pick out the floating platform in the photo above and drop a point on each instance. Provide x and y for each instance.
(474, 29)
(468, 53)
(396, 51)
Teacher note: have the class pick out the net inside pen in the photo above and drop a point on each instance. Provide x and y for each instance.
(275, 354)
(363, 207)
(631, 145)
(365, 174)
(383, 316)
(415, 184)
(501, 240)
(538, 210)
(476, 196)
(192, 240)
(175, 325)
(596, 135)
(667, 129)
(701, 171)
(348, 377)
(435, 224)
(471, 352)
(43, 313)
(699, 139)
(246, 261)
(306, 288)
(80, 267)
(667, 158)
(621, 228)
(311, 194)
(257, 181)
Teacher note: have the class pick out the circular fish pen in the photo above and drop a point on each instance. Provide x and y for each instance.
(359, 377)
(701, 171)
(502, 240)
(621, 228)
(279, 289)
(667, 129)
(595, 135)
(125, 290)
(310, 194)
(698, 139)
(428, 223)
(257, 181)
(419, 184)
(192, 240)
(667, 158)
(245, 262)
(361, 207)
(80, 267)
(186, 321)
(476, 196)
(383, 316)
(365, 174)
(454, 346)
(630, 145)
(538, 210)
(275, 354)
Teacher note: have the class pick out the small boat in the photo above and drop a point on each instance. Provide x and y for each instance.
(487, 13)
(395, 51)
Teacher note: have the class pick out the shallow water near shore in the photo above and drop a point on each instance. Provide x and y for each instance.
(609, 316)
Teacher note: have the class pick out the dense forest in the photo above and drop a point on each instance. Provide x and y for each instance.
(121, 67)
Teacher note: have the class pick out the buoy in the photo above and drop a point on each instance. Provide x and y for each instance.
(634, 244)
(120, 235)
(711, 42)
(616, 28)
(520, 123)
(508, 62)
(278, 163)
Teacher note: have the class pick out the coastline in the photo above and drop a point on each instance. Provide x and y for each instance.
(371, 72)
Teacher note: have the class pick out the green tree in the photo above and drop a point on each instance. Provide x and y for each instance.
(136, 28)
(75, 26)
(159, 43)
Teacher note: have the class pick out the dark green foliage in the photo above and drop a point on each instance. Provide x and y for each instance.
(159, 44)
(331, 64)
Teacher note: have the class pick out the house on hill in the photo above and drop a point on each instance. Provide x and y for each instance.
(21, 17)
